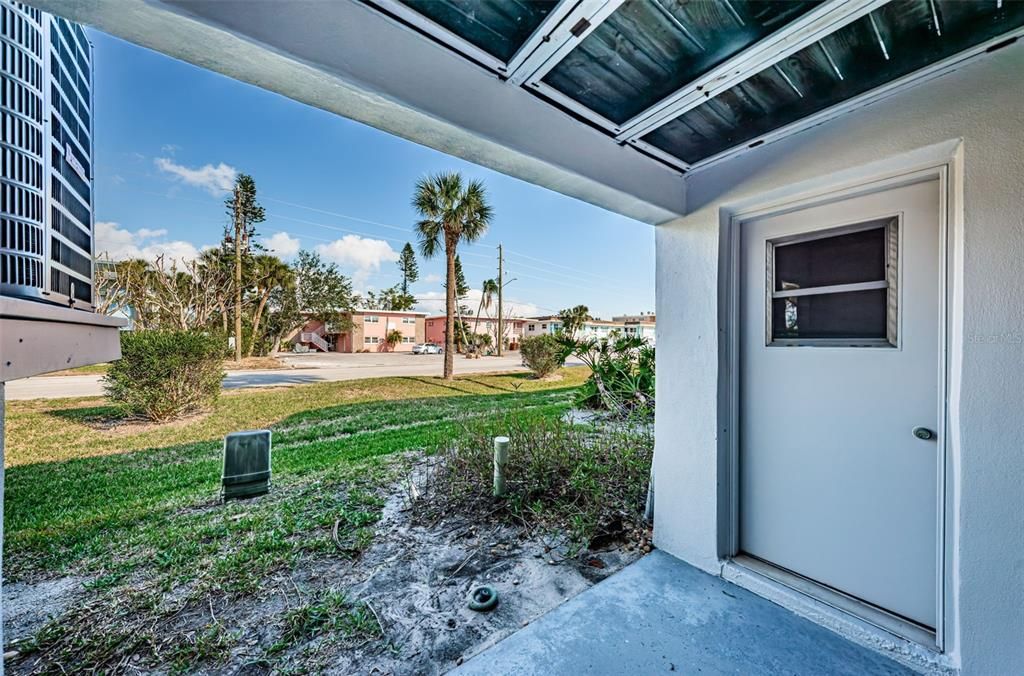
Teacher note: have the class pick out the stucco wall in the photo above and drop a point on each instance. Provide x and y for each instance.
(434, 330)
(386, 322)
(982, 104)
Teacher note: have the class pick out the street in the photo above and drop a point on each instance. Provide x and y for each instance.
(303, 368)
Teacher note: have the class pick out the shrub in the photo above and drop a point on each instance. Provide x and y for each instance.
(542, 354)
(621, 374)
(166, 374)
(588, 482)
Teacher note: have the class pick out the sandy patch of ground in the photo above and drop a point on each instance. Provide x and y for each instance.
(416, 581)
(255, 364)
(419, 580)
(28, 607)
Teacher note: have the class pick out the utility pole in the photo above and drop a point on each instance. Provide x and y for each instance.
(501, 315)
(239, 233)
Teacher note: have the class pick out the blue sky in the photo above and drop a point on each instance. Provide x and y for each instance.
(169, 137)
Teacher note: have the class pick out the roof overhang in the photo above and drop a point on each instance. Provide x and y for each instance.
(350, 59)
(608, 101)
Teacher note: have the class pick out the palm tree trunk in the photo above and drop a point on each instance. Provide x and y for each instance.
(257, 317)
(449, 306)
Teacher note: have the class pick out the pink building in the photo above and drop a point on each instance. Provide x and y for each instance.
(434, 329)
(368, 332)
(513, 329)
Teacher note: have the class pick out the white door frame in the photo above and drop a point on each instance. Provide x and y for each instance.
(942, 162)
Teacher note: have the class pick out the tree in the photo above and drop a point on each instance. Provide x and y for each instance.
(488, 291)
(161, 294)
(123, 287)
(461, 287)
(461, 309)
(451, 211)
(409, 267)
(390, 299)
(573, 319)
(394, 337)
(215, 266)
(267, 273)
(322, 292)
(284, 316)
(244, 213)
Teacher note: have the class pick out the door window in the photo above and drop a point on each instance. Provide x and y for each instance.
(835, 288)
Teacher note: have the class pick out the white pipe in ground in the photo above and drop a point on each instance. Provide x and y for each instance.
(500, 458)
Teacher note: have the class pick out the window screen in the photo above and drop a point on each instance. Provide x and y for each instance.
(648, 49)
(835, 289)
(896, 39)
(499, 27)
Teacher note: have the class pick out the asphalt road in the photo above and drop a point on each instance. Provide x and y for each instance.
(304, 368)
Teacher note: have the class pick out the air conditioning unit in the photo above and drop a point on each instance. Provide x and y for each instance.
(46, 189)
(246, 464)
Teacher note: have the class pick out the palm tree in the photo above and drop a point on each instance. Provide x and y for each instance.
(393, 338)
(451, 211)
(268, 273)
(488, 291)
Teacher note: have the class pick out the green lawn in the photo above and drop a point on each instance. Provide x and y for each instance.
(136, 510)
(82, 494)
(89, 370)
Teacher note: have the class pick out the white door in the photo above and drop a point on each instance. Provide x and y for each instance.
(839, 365)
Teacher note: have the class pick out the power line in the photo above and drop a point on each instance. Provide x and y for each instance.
(340, 215)
(558, 265)
(587, 283)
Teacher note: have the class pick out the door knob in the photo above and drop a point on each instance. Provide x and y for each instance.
(923, 433)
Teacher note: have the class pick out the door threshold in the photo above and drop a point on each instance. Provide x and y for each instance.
(849, 605)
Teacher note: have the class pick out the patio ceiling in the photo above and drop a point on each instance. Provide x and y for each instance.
(692, 82)
(609, 101)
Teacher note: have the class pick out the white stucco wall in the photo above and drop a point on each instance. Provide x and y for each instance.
(982, 104)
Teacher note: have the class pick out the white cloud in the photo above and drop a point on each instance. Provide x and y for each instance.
(360, 256)
(282, 244)
(433, 302)
(432, 278)
(215, 180)
(118, 243)
(170, 148)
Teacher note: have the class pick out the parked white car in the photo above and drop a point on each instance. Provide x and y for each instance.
(427, 348)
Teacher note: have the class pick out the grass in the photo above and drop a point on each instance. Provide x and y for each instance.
(332, 611)
(38, 430)
(135, 510)
(88, 370)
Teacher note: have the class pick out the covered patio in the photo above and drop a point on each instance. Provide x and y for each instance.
(836, 190)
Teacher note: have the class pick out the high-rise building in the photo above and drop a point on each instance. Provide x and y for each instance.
(46, 234)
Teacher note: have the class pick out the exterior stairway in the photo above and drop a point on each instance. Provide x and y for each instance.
(314, 339)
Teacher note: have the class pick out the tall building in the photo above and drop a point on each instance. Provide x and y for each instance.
(46, 233)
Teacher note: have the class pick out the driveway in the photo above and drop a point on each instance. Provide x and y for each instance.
(302, 369)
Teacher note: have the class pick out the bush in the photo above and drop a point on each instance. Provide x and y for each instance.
(166, 374)
(542, 354)
(589, 483)
(621, 374)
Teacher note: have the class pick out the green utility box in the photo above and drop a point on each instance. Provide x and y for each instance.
(246, 464)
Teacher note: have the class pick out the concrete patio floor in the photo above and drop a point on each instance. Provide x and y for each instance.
(661, 615)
